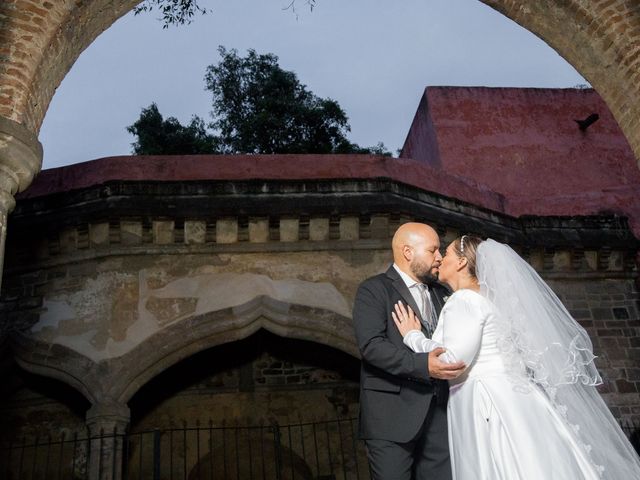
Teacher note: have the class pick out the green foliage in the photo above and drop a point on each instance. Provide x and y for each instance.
(257, 108)
(157, 136)
(180, 12)
(174, 12)
(260, 108)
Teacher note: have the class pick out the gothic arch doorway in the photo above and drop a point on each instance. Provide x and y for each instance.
(261, 379)
(261, 407)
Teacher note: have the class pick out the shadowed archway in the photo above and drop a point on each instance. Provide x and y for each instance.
(118, 379)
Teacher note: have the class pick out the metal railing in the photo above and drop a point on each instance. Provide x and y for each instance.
(46, 458)
(326, 450)
(315, 450)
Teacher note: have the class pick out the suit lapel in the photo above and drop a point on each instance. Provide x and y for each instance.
(403, 290)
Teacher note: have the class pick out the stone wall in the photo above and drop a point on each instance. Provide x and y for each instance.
(608, 310)
(259, 380)
(108, 293)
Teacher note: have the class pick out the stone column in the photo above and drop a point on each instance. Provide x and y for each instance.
(20, 160)
(107, 423)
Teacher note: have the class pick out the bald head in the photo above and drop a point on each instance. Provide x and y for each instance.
(416, 251)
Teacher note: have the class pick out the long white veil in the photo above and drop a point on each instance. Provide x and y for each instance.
(539, 336)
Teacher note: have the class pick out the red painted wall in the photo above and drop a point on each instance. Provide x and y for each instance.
(512, 150)
(524, 144)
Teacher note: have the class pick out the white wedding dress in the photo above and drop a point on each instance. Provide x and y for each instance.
(501, 425)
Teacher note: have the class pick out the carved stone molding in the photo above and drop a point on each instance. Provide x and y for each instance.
(115, 381)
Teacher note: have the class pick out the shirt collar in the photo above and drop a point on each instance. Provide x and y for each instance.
(408, 281)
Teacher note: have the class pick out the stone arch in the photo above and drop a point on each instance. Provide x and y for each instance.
(201, 332)
(57, 362)
(599, 38)
(118, 379)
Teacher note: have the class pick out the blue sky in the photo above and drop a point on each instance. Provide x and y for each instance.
(374, 57)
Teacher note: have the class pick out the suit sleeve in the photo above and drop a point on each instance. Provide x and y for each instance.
(370, 322)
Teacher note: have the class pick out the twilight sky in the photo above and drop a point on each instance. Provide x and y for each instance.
(375, 57)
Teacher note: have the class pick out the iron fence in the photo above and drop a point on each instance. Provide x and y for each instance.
(316, 450)
(327, 450)
(46, 458)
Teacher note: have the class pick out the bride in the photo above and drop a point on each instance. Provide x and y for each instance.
(527, 406)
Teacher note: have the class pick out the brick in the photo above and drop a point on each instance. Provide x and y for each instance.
(585, 323)
(623, 386)
(609, 332)
(580, 314)
(616, 324)
(602, 313)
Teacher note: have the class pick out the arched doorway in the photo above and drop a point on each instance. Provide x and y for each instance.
(261, 379)
(265, 406)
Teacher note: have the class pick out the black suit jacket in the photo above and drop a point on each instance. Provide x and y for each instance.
(395, 387)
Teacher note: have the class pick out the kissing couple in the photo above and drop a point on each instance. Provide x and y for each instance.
(498, 383)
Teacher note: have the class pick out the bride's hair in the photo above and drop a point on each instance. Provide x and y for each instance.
(466, 246)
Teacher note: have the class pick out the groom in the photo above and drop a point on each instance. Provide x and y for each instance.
(403, 395)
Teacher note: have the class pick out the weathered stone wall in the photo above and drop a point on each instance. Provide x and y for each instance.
(108, 288)
(259, 380)
(608, 309)
(106, 307)
(34, 407)
(264, 379)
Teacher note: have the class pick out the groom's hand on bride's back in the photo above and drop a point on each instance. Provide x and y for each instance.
(443, 370)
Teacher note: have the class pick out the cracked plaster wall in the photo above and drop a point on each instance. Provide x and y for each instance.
(105, 309)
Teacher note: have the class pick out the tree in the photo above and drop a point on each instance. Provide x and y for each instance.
(179, 12)
(257, 108)
(157, 136)
(174, 12)
(260, 108)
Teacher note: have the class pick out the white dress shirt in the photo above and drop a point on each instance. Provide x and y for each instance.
(413, 287)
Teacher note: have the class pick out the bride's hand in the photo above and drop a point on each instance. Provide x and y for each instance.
(405, 319)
